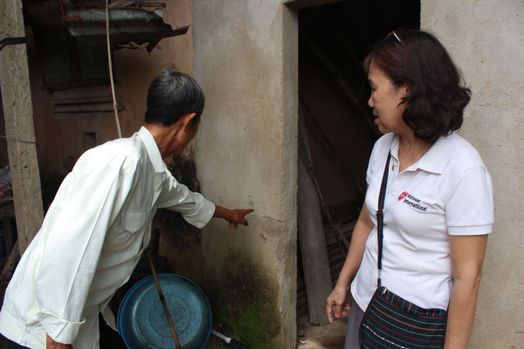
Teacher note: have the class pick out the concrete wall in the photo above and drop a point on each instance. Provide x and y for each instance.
(485, 39)
(245, 57)
(134, 71)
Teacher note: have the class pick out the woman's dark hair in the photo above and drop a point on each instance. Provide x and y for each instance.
(436, 96)
(171, 95)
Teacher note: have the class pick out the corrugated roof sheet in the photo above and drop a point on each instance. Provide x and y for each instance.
(86, 21)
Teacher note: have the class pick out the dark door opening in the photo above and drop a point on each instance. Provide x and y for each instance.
(336, 128)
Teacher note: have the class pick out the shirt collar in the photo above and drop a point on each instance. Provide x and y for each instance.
(436, 158)
(152, 149)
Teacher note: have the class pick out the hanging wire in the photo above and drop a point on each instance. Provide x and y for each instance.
(151, 264)
(110, 63)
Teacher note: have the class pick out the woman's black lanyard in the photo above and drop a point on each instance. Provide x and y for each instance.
(380, 218)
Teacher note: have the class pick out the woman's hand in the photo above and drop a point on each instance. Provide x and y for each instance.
(336, 306)
(51, 344)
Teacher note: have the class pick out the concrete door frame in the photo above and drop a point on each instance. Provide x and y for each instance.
(301, 4)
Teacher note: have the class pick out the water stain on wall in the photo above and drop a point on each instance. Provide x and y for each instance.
(244, 300)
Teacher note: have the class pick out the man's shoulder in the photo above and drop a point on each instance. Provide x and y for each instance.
(122, 152)
(121, 145)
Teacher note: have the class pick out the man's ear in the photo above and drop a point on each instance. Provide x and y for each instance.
(188, 119)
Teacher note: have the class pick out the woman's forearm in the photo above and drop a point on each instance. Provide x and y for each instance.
(336, 304)
(467, 256)
(356, 249)
(461, 313)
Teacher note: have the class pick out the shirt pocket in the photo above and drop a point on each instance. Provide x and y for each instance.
(133, 220)
(125, 233)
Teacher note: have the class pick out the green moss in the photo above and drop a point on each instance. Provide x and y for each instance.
(249, 329)
(244, 299)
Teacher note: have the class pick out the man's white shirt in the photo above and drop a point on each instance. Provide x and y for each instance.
(91, 240)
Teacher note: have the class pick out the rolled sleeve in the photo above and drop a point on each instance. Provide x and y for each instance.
(60, 330)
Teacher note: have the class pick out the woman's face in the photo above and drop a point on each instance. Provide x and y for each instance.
(385, 100)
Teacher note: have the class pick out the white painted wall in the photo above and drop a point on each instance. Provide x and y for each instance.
(485, 38)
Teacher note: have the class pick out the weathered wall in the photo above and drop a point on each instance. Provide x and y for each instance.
(485, 39)
(62, 136)
(245, 56)
(135, 69)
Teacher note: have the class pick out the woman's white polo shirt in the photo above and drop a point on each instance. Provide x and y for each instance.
(447, 192)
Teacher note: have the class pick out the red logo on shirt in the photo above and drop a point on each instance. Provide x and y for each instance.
(402, 196)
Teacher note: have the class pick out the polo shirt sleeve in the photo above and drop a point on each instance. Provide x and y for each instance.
(194, 207)
(370, 171)
(469, 207)
(378, 148)
(378, 157)
(72, 237)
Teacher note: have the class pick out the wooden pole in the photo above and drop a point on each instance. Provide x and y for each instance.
(312, 240)
(20, 133)
(165, 308)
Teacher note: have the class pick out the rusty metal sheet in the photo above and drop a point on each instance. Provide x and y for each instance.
(85, 20)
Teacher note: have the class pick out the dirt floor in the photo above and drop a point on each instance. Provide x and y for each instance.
(308, 336)
(320, 337)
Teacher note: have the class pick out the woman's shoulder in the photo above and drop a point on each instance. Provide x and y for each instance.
(380, 151)
(464, 148)
(381, 147)
(383, 143)
(385, 139)
(463, 155)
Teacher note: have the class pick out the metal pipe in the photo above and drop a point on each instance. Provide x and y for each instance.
(12, 41)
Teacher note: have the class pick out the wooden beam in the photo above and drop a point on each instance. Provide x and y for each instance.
(20, 133)
(300, 4)
(311, 237)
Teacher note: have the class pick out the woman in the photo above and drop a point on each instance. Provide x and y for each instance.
(438, 208)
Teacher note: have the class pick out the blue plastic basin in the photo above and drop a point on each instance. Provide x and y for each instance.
(141, 321)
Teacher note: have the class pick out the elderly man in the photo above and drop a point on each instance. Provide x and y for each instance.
(100, 223)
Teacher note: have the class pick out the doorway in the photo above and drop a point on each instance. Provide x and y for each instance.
(336, 135)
